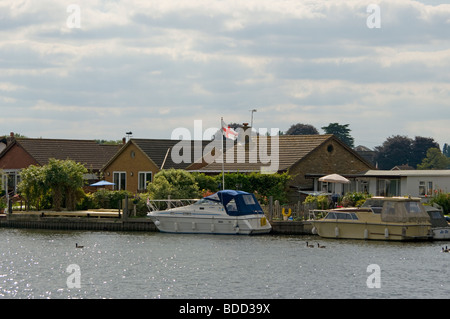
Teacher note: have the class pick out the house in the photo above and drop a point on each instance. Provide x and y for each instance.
(417, 183)
(20, 153)
(137, 162)
(306, 158)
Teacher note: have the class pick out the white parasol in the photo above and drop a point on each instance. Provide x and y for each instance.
(334, 178)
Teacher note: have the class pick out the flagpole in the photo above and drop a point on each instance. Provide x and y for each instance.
(223, 174)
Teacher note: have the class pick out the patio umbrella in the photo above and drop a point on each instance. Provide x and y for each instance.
(102, 183)
(334, 178)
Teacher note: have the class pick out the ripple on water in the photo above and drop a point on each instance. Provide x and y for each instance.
(154, 265)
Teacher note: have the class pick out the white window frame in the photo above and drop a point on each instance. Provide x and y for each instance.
(119, 185)
(145, 179)
(426, 188)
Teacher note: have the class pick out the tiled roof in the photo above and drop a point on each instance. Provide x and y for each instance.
(291, 149)
(160, 151)
(88, 152)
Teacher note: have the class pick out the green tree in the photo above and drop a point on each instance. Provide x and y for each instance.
(396, 150)
(177, 183)
(434, 160)
(64, 178)
(302, 129)
(342, 132)
(446, 150)
(75, 181)
(32, 186)
(419, 149)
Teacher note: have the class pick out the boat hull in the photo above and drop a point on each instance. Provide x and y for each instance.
(441, 233)
(382, 231)
(222, 225)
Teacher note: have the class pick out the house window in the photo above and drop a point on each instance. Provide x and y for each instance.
(425, 188)
(388, 187)
(143, 179)
(120, 179)
(422, 189)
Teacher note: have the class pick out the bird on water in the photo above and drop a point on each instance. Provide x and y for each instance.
(77, 246)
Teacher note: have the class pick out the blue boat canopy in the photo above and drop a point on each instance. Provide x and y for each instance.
(237, 203)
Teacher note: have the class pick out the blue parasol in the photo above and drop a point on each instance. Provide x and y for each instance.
(102, 183)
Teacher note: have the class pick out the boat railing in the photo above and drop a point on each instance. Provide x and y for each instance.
(317, 213)
(164, 204)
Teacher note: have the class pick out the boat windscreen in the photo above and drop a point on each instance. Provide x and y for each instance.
(403, 211)
(237, 203)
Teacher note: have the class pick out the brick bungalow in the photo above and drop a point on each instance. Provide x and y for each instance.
(19, 153)
(305, 157)
(139, 160)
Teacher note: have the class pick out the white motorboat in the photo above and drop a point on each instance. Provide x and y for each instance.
(225, 212)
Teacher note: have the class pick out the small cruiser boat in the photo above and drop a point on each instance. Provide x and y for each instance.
(379, 218)
(225, 212)
(439, 225)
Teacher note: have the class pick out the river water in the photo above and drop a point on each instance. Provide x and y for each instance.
(46, 264)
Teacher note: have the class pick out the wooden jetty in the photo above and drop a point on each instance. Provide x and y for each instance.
(113, 221)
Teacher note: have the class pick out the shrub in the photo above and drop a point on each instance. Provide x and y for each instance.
(177, 183)
(108, 199)
(441, 199)
(354, 199)
(319, 202)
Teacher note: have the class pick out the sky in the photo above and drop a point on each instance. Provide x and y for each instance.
(94, 69)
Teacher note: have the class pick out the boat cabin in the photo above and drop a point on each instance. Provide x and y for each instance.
(236, 203)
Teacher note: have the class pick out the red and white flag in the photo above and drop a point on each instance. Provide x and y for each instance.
(228, 131)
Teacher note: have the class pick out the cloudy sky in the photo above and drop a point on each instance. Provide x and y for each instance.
(101, 68)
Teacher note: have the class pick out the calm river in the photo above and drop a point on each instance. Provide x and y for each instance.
(46, 264)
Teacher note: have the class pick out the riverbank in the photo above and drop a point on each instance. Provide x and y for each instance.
(114, 221)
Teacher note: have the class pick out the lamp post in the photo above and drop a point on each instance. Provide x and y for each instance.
(251, 122)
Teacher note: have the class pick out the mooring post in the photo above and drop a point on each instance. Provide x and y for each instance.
(125, 208)
(270, 207)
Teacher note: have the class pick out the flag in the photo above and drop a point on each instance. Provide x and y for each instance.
(228, 131)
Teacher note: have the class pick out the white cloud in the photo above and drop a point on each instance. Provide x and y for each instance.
(152, 66)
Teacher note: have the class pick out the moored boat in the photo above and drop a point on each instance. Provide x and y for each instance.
(439, 225)
(225, 212)
(380, 218)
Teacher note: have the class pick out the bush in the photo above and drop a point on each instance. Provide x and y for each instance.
(355, 199)
(177, 183)
(108, 199)
(319, 202)
(262, 185)
(441, 199)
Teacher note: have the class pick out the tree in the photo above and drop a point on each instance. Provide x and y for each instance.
(342, 132)
(434, 160)
(64, 178)
(302, 129)
(177, 183)
(401, 150)
(446, 150)
(396, 150)
(61, 179)
(32, 186)
(419, 149)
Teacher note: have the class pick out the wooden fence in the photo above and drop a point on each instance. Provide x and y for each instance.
(298, 211)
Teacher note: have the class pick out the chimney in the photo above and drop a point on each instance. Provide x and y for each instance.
(10, 138)
(124, 140)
